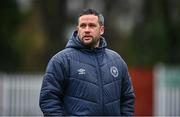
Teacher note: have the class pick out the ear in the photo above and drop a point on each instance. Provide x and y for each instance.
(102, 30)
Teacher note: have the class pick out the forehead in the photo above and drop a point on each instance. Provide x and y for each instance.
(88, 18)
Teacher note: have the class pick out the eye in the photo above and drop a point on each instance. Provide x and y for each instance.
(92, 25)
(82, 25)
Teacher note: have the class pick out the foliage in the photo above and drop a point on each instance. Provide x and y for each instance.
(143, 32)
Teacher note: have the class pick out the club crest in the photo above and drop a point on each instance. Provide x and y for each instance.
(114, 71)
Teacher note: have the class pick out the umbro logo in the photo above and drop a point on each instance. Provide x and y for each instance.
(81, 71)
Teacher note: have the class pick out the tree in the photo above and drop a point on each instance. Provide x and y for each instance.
(9, 21)
(53, 17)
(155, 37)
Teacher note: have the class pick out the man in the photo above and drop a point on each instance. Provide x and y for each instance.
(86, 78)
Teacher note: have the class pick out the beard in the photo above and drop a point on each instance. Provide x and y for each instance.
(90, 43)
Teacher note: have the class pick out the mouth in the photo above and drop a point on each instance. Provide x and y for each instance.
(87, 37)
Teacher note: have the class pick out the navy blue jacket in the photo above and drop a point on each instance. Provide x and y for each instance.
(83, 81)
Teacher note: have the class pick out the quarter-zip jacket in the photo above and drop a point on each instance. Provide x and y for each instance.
(82, 81)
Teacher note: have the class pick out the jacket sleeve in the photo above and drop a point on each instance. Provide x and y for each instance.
(52, 89)
(127, 94)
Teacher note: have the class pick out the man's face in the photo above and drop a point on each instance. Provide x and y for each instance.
(89, 30)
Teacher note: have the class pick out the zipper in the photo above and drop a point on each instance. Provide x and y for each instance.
(100, 84)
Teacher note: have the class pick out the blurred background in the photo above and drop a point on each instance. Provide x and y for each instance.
(146, 33)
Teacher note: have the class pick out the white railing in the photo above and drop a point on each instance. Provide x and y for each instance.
(20, 95)
(167, 91)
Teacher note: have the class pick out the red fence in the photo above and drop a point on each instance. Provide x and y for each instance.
(143, 85)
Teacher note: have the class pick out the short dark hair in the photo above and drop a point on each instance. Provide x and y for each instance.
(90, 11)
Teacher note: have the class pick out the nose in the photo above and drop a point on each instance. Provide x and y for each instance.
(87, 29)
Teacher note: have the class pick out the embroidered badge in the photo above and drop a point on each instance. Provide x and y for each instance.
(114, 71)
